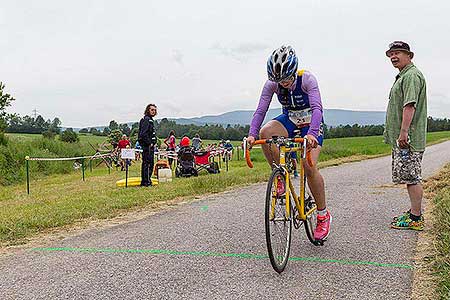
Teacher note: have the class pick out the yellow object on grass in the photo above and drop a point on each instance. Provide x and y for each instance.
(134, 181)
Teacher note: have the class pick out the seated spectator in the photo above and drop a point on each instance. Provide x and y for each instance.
(170, 142)
(196, 142)
(229, 149)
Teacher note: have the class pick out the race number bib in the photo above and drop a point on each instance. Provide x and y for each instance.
(300, 118)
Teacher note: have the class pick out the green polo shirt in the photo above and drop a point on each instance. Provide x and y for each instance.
(409, 88)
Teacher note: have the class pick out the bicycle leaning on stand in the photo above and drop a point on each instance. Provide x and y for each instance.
(280, 211)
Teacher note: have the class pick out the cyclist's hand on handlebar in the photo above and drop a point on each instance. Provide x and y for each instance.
(312, 141)
(250, 141)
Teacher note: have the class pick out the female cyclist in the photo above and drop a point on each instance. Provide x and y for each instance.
(299, 95)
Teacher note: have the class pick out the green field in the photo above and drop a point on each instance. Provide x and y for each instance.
(64, 199)
(84, 138)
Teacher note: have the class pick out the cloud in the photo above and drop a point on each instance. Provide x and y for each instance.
(438, 105)
(249, 48)
(240, 52)
(177, 56)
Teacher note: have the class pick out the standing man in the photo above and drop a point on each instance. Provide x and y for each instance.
(405, 131)
(147, 139)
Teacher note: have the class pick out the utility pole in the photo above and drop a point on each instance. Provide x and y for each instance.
(35, 113)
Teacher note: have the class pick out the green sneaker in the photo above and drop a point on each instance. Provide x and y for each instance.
(403, 216)
(407, 223)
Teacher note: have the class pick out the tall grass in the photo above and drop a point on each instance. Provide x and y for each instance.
(440, 186)
(12, 157)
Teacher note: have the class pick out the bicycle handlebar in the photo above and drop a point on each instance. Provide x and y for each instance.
(270, 141)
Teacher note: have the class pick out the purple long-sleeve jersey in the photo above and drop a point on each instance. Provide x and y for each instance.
(309, 86)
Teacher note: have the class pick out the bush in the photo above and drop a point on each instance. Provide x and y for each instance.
(49, 134)
(115, 136)
(3, 139)
(69, 136)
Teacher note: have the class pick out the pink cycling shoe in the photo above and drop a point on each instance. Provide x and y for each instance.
(323, 227)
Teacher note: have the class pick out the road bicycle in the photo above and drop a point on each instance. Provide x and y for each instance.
(280, 211)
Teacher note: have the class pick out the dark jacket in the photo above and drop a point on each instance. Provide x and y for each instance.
(147, 133)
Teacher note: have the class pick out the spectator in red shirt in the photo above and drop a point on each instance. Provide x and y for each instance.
(123, 143)
(171, 144)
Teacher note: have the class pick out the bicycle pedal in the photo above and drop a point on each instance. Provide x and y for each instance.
(319, 242)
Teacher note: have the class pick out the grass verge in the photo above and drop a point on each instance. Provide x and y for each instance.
(432, 277)
(441, 230)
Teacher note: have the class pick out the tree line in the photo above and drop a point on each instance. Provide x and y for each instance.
(210, 132)
(164, 126)
(433, 124)
(28, 124)
(352, 130)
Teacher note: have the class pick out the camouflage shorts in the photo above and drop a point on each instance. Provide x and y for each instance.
(406, 166)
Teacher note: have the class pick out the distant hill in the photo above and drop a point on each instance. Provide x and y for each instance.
(332, 117)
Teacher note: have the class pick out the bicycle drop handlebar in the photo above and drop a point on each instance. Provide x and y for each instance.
(275, 141)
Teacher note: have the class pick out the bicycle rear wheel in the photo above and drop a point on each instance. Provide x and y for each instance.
(278, 225)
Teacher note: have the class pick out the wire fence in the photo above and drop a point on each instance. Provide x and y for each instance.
(109, 158)
(79, 158)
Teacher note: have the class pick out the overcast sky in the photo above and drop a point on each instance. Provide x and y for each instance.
(88, 62)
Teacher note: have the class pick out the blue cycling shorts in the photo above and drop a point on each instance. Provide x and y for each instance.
(290, 127)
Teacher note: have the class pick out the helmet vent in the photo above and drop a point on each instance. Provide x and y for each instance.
(284, 69)
(277, 69)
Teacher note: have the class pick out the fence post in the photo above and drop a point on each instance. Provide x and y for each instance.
(82, 167)
(28, 174)
(237, 149)
(126, 173)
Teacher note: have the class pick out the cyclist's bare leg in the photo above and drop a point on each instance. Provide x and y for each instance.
(315, 179)
(272, 128)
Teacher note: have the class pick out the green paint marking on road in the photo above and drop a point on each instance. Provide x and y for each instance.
(204, 208)
(218, 254)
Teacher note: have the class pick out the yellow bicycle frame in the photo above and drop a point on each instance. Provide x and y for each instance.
(299, 200)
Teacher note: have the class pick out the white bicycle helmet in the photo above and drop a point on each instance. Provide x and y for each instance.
(282, 64)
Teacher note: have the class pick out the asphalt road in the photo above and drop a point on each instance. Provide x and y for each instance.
(214, 248)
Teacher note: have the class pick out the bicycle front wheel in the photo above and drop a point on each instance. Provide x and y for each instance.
(278, 224)
(311, 220)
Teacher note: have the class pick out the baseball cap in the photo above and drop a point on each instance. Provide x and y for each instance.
(399, 46)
